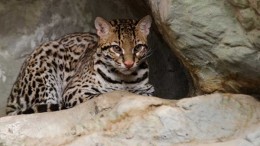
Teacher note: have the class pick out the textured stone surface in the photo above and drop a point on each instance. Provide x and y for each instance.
(218, 41)
(26, 24)
(121, 118)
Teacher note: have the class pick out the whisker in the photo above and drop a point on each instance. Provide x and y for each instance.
(149, 53)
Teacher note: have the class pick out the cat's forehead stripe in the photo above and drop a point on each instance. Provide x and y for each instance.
(123, 21)
(124, 28)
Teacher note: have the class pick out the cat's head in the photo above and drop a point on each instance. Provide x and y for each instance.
(123, 42)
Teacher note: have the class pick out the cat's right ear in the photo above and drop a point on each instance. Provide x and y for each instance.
(144, 25)
(102, 26)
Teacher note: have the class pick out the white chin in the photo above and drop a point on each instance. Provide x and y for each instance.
(126, 71)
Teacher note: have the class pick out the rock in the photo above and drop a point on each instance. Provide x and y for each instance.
(247, 18)
(121, 118)
(240, 3)
(220, 52)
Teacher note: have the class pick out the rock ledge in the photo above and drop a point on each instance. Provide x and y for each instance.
(121, 118)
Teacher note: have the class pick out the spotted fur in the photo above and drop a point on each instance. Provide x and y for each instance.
(66, 72)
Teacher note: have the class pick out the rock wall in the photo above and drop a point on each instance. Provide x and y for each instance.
(217, 41)
(26, 24)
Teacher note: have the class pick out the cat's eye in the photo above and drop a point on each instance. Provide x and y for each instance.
(117, 49)
(139, 48)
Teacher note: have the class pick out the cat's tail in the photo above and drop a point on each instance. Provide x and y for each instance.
(40, 108)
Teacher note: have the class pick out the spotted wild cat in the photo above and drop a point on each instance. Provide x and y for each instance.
(66, 72)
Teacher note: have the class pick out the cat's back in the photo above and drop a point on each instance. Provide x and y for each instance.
(48, 69)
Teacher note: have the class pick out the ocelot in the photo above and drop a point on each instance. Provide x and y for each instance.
(63, 73)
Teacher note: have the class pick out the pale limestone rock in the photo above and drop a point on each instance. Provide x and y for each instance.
(220, 52)
(121, 118)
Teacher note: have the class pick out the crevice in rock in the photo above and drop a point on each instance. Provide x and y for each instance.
(167, 73)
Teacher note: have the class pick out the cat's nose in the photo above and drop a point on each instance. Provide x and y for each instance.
(128, 64)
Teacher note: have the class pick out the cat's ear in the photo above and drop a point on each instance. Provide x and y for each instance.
(102, 26)
(144, 25)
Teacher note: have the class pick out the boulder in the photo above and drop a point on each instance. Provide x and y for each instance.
(121, 118)
(217, 41)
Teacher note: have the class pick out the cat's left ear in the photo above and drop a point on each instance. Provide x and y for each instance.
(144, 25)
